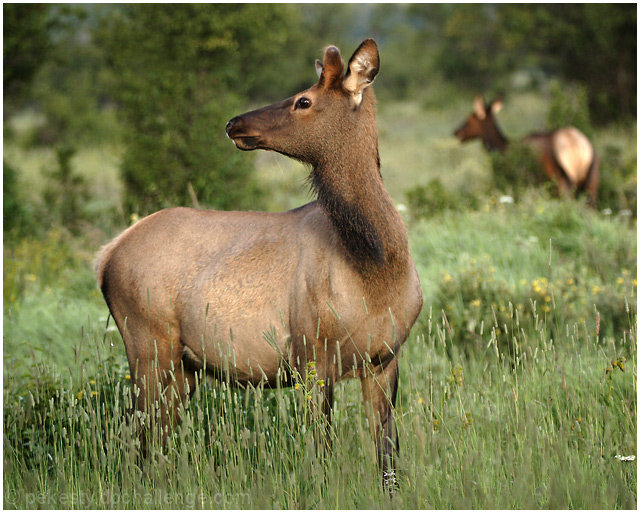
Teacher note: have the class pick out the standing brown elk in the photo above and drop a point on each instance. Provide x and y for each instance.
(566, 155)
(331, 281)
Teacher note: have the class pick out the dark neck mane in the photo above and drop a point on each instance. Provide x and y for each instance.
(350, 190)
(493, 139)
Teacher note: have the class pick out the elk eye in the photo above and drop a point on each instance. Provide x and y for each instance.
(303, 103)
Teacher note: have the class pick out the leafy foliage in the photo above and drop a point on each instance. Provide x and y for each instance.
(569, 106)
(516, 169)
(17, 214)
(428, 200)
(25, 48)
(181, 74)
(594, 44)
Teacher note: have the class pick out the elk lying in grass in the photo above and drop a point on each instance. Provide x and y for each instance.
(565, 154)
(332, 281)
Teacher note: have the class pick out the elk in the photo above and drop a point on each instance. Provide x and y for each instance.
(332, 281)
(566, 155)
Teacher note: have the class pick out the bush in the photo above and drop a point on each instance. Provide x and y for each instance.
(181, 75)
(618, 181)
(511, 273)
(569, 106)
(428, 200)
(482, 308)
(18, 216)
(516, 169)
(66, 192)
(53, 260)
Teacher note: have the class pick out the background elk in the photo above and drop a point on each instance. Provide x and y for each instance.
(565, 154)
(332, 281)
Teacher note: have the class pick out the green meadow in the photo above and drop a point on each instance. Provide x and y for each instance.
(518, 384)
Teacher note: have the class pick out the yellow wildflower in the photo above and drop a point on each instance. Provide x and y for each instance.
(595, 289)
(620, 280)
(475, 302)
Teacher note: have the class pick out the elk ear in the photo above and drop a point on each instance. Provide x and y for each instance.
(318, 67)
(478, 107)
(363, 68)
(331, 68)
(496, 105)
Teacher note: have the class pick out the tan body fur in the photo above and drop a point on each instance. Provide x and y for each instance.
(254, 296)
(248, 273)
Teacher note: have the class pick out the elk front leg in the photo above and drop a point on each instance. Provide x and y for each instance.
(379, 387)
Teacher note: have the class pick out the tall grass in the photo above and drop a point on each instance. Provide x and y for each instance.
(483, 432)
(506, 399)
(482, 425)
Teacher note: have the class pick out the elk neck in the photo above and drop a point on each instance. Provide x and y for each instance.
(350, 190)
(493, 138)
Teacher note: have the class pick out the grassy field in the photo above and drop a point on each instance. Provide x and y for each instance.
(517, 385)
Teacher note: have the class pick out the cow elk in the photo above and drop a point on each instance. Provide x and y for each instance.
(566, 155)
(331, 282)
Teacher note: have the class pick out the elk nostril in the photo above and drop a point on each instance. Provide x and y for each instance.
(230, 125)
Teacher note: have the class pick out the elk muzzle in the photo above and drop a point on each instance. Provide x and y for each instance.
(240, 134)
(261, 128)
(462, 133)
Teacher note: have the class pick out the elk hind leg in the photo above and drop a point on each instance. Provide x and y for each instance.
(162, 382)
(379, 389)
(593, 182)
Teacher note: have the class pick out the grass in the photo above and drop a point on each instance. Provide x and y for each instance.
(475, 433)
(506, 400)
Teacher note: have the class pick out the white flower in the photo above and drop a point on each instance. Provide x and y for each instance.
(506, 199)
(625, 458)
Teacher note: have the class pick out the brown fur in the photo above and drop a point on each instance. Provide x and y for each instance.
(565, 155)
(332, 281)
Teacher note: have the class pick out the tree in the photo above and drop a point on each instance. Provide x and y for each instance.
(182, 72)
(26, 45)
(593, 44)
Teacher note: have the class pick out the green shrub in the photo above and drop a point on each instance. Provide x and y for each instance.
(428, 200)
(19, 216)
(66, 192)
(181, 74)
(481, 308)
(569, 106)
(51, 261)
(618, 181)
(516, 169)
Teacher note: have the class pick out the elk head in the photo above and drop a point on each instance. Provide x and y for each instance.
(317, 121)
(481, 123)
